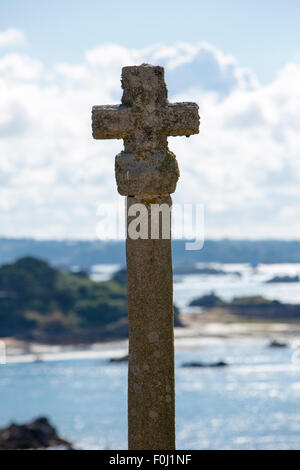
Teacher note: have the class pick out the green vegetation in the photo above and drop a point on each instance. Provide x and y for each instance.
(42, 303)
(39, 301)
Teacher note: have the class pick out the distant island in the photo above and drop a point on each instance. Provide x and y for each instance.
(41, 303)
(249, 307)
(204, 270)
(207, 300)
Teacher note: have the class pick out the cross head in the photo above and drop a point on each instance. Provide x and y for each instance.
(145, 118)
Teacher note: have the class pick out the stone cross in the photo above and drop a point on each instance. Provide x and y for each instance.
(147, 173)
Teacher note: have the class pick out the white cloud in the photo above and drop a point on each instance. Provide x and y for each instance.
(244, 166)
(72, 72)
(12, 37)
(19, 67)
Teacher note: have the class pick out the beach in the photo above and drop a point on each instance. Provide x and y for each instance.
(196, 331)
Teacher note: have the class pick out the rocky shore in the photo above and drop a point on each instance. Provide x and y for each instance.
(38, 434)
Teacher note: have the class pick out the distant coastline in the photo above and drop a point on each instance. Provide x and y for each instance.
(85, 254)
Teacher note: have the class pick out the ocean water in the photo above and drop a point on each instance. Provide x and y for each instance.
(252, 404)
(252, 281)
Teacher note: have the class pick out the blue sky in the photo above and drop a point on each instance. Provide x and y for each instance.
(261, 34)
(239, 60)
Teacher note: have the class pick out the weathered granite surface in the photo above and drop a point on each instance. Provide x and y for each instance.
(151, 386)
(146, 174)
(144, 120)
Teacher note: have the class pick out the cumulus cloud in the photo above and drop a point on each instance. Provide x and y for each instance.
(19, 67)
(12, 37)
(244, 166)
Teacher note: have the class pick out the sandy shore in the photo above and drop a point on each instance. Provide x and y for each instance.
(198, 329)
(225, 325)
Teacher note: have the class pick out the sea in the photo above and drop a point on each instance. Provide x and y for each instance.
(251, 404)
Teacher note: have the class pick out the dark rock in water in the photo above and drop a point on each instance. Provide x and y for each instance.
(277, 344)
(205, 270)
(207, 300)
(119, 359)
(205, 364)
(283, 279)
(39, 434)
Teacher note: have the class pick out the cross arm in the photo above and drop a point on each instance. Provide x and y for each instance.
(112, 122)
(180, 119)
